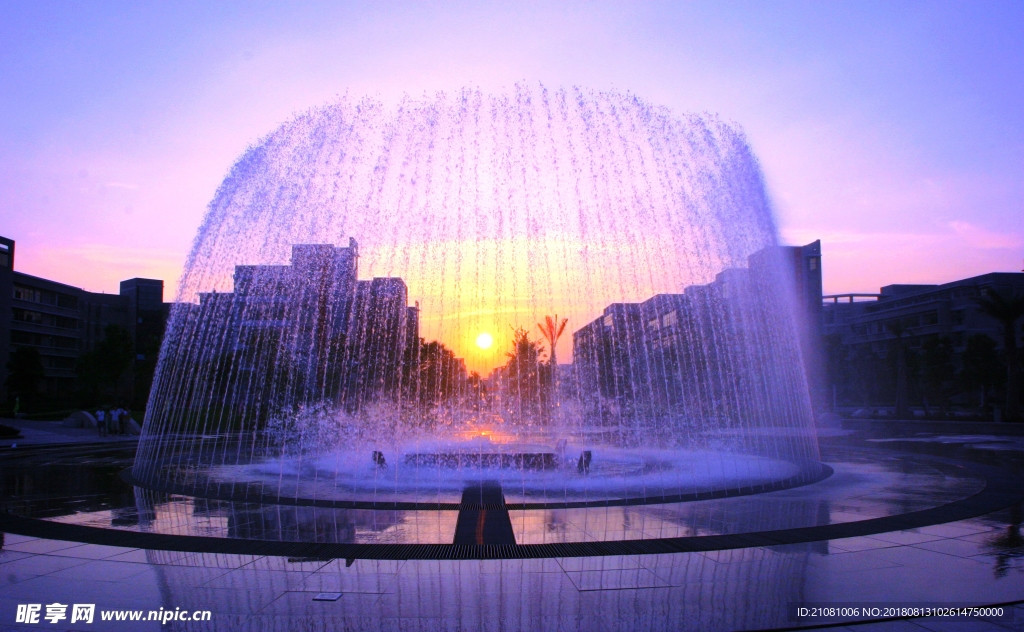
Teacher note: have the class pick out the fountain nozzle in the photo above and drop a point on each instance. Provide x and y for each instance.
(583, 466)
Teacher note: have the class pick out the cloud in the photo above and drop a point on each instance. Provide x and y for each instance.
(856, 261)
(961, 234)
(846, 237)
(101, 267)
(978, 237)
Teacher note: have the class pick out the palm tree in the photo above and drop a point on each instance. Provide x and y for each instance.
(1007, 309)
(552, 330)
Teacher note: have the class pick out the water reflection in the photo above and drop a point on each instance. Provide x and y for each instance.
(861, 488)
(182, 515)
(1007, 545)
(738, 590)
(719, 590)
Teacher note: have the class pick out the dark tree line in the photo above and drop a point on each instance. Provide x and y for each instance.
(25, 374)
(528, 379)
(108, 374)
(929, 372)
(266, 373)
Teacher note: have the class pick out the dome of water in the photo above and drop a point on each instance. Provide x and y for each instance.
(372, 307)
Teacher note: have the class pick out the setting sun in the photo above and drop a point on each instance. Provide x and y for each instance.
(484, 340)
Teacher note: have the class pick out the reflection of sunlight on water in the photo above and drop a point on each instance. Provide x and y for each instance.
(486, 436)
(187, 516)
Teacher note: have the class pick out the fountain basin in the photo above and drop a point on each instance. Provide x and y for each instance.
(485, 460)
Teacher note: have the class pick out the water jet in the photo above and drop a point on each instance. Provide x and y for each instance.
(333, 303)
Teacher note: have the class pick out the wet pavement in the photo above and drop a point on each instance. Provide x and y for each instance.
(977, 561)
(49, 433)
(85, 489)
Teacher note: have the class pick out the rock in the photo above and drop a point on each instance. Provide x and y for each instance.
(80, 419)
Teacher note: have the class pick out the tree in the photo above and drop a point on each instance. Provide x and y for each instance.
(524, 375)
(102, 369)
(477, 390)
(937, 369)
(896, 328)
(1007, 309)
(982, 368)
(440, 374)
(867, 374)
(838, 365)
(25, 373)
(552, 331)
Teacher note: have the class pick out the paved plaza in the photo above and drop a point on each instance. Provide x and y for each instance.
(974, 561)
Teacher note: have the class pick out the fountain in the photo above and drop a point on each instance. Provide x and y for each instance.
(359, 321)
(516, 361)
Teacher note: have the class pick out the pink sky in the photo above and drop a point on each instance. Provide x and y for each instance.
(891, 131)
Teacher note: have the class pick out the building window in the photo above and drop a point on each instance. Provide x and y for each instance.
(669, 319)
(608, 320)
(43, 340)
(27, 316)
(27, 294)
(812, 263)
(49, 320)
(58, 362)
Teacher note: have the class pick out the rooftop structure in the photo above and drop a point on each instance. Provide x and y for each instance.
(925, 311)
(63, 322)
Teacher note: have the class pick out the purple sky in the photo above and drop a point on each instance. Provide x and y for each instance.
(892, 131)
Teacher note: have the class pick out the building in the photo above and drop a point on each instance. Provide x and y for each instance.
(63, 322)
(609, 355)
(6, 298)
(381, 327)
(860, 329)
(924, 311)
(313, 324)
(802, 265)
(669, 352)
